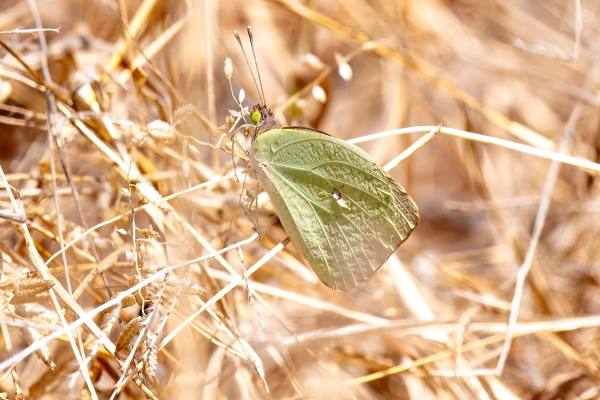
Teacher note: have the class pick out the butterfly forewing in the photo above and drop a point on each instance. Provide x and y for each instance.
(341, 211)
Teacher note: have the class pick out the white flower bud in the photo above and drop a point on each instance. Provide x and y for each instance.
(319, 94)
(228, 68)
(313, 61)
(344, 68)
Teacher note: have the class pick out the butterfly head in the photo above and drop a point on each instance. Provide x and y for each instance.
(263, 119)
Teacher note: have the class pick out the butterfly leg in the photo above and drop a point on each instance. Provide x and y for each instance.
(256, 200)
(234, 141)
(245, 209)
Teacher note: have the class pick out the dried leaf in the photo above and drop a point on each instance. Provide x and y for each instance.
(151, 195)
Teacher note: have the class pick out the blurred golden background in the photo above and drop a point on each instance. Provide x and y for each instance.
(499, 228)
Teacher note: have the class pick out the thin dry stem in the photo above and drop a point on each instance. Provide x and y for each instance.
(77, 137)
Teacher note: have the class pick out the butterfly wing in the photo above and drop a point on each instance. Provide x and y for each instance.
(345, 237)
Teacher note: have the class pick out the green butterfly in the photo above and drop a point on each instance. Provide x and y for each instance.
(340, 210)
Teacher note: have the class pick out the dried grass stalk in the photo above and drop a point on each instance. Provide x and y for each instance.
(140, 99)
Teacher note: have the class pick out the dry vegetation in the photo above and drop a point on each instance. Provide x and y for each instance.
(90, 169)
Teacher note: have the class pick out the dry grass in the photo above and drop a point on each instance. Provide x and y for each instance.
(494, 296)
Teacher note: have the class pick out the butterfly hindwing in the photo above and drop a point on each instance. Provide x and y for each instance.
(340, 210)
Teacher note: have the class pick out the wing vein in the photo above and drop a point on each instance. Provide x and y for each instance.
(329, 179)
(339, 267)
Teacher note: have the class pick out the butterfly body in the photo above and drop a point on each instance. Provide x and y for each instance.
(341, 211)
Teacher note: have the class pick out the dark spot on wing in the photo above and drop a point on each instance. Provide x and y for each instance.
(336, 194)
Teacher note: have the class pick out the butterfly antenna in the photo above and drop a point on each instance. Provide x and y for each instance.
(237, 36)
(256, 63)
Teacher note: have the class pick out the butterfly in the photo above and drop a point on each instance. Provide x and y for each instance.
(340, 210)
